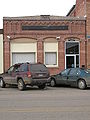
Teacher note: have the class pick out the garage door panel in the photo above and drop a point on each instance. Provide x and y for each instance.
(23, 57)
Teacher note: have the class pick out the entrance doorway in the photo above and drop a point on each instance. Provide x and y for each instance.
(72, 61)
(72, 54)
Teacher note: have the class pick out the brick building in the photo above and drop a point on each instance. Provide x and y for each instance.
(58, 42)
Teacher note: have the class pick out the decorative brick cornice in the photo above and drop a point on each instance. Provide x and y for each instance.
(40, 18)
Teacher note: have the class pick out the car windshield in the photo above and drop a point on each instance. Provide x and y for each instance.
(38, 67)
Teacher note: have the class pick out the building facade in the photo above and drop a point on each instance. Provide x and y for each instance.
(58, 42)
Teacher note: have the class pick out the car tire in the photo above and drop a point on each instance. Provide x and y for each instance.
(21, 85)
(52, 82)
(42, 86)
(81, 84)
(2, 83)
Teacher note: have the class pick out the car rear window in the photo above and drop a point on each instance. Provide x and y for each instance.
(38, 67)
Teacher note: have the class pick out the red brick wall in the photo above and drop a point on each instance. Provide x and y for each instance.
(73, 13)
(80, 9)
(88, 31)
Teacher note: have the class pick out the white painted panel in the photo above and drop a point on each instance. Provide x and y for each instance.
(23, 47)
(1, 53)
(51, 46)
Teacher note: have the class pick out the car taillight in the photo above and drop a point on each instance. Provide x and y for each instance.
(28, 74)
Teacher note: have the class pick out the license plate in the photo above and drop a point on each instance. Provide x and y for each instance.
(40, 75)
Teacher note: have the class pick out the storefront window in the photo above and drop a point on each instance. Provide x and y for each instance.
(72, 48)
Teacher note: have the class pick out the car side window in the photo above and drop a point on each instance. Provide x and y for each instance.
(78, 72)
(65, 72)
(10, 70)
(23, 68)
(16, 69)
(73, 72)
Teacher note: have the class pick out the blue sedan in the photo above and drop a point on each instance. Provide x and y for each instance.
(77, 77)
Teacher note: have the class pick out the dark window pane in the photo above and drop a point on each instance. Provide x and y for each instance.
(38, 67)
(72, 48)
(70, 61)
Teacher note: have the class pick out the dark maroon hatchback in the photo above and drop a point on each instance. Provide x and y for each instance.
(24, 74)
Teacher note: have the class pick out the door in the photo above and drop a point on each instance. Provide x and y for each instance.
(70, 62)
(62, 77)
(72, 54)
(73, 76)
(8, 75)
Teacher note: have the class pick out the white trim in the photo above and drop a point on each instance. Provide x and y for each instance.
(1, 53)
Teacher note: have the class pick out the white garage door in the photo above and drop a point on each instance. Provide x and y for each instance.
(23, 57)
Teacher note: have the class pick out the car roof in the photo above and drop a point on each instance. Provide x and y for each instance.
(18, 64)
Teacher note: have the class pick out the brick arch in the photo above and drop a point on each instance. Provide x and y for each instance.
(23, 39)
(49, 39)
(72, 38)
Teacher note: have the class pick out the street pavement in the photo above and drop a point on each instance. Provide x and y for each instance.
(52, 103)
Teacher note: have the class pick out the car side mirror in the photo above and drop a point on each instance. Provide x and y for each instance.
(6, 71)
(60, 74)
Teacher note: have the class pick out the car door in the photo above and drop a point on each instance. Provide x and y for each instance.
(15, 73)
(8, 75)
(73, 76)
(62, 77)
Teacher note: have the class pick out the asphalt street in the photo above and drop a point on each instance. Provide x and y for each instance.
(53, 103)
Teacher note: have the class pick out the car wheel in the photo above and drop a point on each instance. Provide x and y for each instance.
(42, 86)
(21, 85)
(52, 83)
(81, 84)
(2, 83)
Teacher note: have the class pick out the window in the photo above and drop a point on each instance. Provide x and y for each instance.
(51, 58)
(65, 72)
(78, 72)
(73, 72)
(51, 52)
(72, 48)
(23, 57)
(10, 70)
(38, 67)
(24, 68)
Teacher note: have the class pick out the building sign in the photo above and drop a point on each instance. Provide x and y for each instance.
(24, 27)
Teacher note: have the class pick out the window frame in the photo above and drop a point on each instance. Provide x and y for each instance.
(55, 50)
(55, 58)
